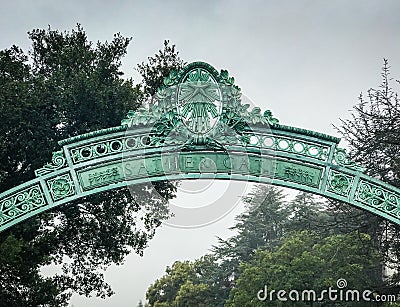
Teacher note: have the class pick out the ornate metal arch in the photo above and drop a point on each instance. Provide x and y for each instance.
(198, 127)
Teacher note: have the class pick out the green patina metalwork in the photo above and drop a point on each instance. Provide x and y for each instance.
(198, 127)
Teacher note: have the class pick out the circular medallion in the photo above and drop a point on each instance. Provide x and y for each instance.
(199, 101)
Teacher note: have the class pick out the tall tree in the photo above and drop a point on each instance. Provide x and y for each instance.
(261, 225)
(306, 261)
(373, 133)
(66, 86)
(187, 284)
(310, 212)
(215, 274)
(374, 130)
(157, 67)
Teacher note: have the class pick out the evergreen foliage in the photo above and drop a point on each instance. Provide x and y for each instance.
(65, 86)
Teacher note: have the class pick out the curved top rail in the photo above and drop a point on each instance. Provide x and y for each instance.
(198, 115)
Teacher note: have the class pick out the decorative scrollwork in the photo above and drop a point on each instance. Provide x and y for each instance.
(172, 79)
(20, 203)
(341, 158)
(339, 183)
(61, 187)
(57, 162)
(236, 115)
(298, 174)
(225, 79)
(102, 176)
(199, 106)
(378, 197)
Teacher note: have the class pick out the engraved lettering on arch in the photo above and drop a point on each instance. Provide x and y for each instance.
(244, 163)
(170, 163)
(207, 163)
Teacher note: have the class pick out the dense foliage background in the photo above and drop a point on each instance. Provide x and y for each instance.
(64, 86)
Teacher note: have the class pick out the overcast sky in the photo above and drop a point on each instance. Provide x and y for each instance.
(307, 61)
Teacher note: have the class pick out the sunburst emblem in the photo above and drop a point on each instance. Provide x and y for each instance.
(199, 101)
